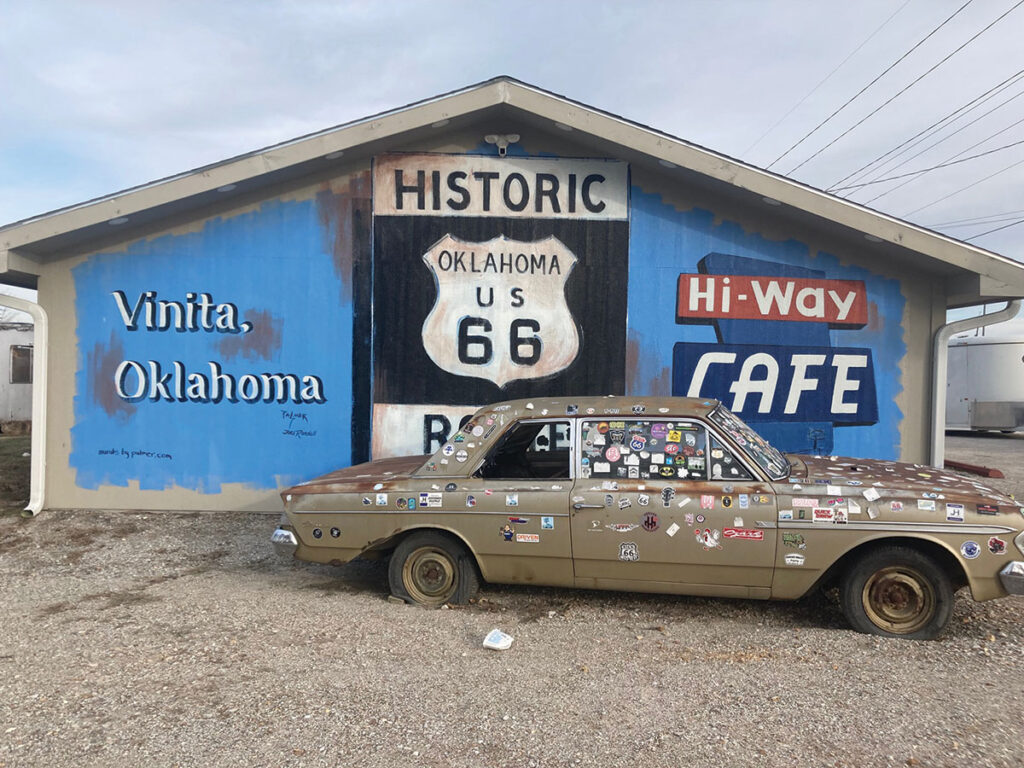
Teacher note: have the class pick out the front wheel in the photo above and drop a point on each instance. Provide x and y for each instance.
(432, 569)
(897, 592)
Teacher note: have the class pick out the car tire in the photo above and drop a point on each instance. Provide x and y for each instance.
(896, 591)
(432, 569)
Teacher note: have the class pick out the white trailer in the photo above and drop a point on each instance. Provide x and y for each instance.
(15, 371)
(986, 378)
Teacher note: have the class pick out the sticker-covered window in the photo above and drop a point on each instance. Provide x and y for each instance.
(636, 449)
(724, 465)
(756, 447)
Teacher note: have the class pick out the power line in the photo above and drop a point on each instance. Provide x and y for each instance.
(1005, 226)
(962, 189)
(934, 167)
(879, 77)
(908, 87)
(976, 223)
(951, 157)
(826, 79)
(974, 103)
(947, 137)
(976, 219)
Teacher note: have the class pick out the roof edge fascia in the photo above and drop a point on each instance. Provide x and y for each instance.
(546, 104)
(240, 168)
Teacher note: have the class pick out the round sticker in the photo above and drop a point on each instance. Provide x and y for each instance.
(659, 430)
(612, 454)
(970, 549)
(461, 456)
(602, 427)
(448, 449)
(672, 448)
(478, 430)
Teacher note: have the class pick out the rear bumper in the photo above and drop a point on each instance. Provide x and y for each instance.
(1012, 577)
(284, 542)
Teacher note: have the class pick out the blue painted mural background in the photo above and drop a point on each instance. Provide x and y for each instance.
(275, 264)
(666, 242)
(280, 266)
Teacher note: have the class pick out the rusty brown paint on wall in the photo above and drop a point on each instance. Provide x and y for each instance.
(658, 386)
(102, 362)
(345, 216)
(260, 343)
(874, 319)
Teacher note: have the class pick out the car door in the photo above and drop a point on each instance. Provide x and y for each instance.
(668, 505)
(518, 504)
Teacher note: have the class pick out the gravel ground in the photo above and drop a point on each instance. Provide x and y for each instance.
(165, 639)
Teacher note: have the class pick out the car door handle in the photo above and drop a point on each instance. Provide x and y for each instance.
(588, 506)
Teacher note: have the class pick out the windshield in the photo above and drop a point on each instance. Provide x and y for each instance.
(756, 447)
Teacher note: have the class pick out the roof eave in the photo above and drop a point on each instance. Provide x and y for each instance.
(999, 269)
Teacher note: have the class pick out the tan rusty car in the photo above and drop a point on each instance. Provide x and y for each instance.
(669, 495)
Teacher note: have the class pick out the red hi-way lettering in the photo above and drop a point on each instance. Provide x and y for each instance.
(840, 303)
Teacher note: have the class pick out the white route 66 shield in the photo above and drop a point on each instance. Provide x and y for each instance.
(500, 312)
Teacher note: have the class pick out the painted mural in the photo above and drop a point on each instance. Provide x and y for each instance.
(275, 344)
(801, 346)
(222, 355)
(494, 278)
(804, 347)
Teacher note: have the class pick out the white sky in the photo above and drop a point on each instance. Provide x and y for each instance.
(98, 96)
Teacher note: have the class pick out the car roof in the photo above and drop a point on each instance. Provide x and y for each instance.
(611, 405)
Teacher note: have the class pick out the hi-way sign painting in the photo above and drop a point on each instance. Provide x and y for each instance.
(493, 278)
(774, 363)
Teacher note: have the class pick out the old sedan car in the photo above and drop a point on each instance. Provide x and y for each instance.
(669, 495)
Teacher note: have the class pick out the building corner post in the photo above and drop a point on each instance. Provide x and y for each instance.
(40, 354)
(940, 370)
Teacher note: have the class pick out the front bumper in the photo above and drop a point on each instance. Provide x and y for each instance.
(284, 542)
(1012, 577)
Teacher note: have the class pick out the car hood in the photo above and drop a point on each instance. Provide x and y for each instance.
(893, 477)
(361, 477)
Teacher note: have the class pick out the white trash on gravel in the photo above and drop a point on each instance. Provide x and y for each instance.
(498, 640)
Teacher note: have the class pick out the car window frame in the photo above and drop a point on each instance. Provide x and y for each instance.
(573, 449)
(753, 469)
(762, 471)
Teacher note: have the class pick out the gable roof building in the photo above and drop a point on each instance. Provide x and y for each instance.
(211, 337)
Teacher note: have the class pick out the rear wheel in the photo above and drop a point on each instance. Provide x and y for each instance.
(432, 569)
(897, 592)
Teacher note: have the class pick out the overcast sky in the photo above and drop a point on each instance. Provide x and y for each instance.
(98, 96)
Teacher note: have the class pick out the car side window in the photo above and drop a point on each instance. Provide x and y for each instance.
(530, 449)
(635, 449)
(724, 464)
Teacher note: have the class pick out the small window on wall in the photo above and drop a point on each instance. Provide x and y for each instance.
(724, 464)
(637, 449)
(21, 365)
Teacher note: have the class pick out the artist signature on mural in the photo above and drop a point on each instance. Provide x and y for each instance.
(133, 454)
(292, 416)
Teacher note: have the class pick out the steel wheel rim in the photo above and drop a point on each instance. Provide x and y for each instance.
(429, 574)
(899, 599)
